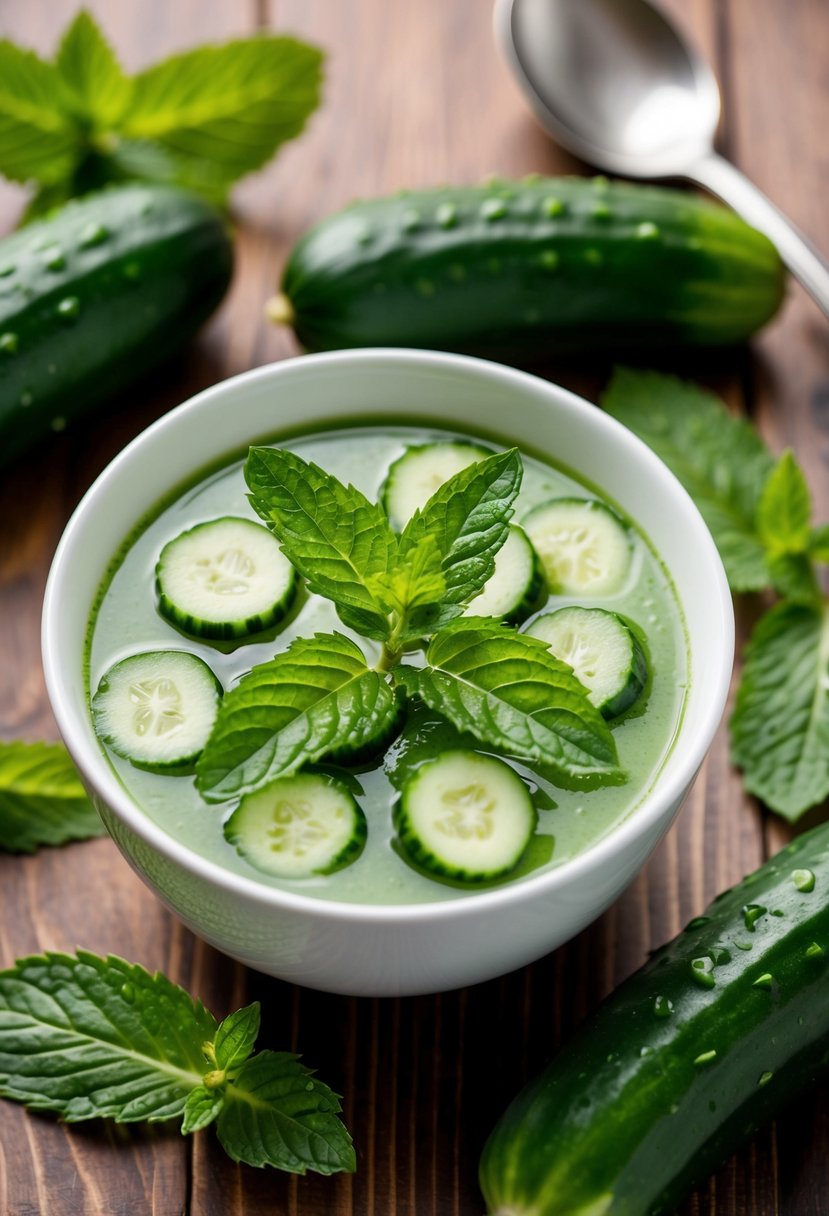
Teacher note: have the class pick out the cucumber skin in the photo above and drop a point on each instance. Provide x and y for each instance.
(605, 1131)
(138, 295)
(372, 276)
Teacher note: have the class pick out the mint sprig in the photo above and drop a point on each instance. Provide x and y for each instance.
(42, 801)
(290, 711)
(510, 692)
(89, 1037)
(720, 459)
(200, 119)
(759, 512)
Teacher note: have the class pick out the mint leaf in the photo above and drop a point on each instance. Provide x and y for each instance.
(793, 576)
(819, 543)
(720, 460)
(291, 711)
(277, 1113)
(39, 141)
(42, 801)
(86, 1037)
(509, 691)
(780, 724)
(467, 519)
(201, 1108)
(338, 540)
(784, 511)
(228, 106)
(96, 89)
(236, 1036)
(414, 583)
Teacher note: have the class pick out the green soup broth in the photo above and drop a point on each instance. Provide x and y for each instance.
(126, 620)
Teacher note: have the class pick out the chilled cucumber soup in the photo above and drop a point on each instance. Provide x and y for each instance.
(126, 621)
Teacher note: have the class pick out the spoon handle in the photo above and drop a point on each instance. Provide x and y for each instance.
(803, 260)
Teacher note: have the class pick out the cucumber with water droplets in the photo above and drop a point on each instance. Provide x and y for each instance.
(528, 269)
(720, 1029)
(95, 295)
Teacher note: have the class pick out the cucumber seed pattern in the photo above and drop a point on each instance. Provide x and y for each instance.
(157, 707)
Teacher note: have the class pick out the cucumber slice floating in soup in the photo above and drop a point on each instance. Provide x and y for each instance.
(157, 708)
(422, 469)
(298, 826)
(602, 650)
(513, 588)
(584, 547)
(466, 816)
(225, 579)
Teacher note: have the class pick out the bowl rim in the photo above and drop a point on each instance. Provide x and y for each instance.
(92, 762)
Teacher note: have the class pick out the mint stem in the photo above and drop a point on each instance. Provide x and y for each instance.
(389, 658)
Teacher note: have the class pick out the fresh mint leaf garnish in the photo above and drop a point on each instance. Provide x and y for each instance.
(793, 576)
(780, 725)
(200, 119)
(467, 521)
(291, 711)
(38, 137)
(88, 1037)
(819, 543)
(340, 542)
(96, 89)
(42, 801)
(510, 692)
(719, 458)
(228, 106)
(784, 511)
(277, 1113)
(236, 1037)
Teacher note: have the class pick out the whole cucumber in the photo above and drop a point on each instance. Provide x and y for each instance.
(96, 294)
(693, 1053)
(530, 269)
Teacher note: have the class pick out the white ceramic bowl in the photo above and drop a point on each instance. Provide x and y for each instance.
(366, 949)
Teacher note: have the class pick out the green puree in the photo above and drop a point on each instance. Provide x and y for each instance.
(126, 621)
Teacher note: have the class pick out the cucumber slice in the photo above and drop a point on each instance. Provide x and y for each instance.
(513, 588)
(225, 579)
(298, 826)
(422, 469)
(157, 708)
(584, 547)
(602, 650)
(466, 816)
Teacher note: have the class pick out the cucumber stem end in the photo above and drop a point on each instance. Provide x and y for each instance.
(280, 310)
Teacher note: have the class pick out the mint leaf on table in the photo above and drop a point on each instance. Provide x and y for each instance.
(236, 1036)
(510, 692)
(88, 1037)
(200, 119)
(290, 711)
(228, 106)
(339, 541)
(780, 724)
(277, 1113)
(96, 90)
(42, 801)
(38, 138)
(784, 511)
(720, 459)
(467, 521)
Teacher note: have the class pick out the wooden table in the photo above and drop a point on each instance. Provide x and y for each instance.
(416, 95)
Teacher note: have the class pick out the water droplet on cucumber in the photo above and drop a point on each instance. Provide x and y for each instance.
(93, 234)
(751, 914)
(493, 209)
(648, 231)
(697, 922)
(707, 1057)
(662, 1007)
(53, 258)
(9, 343)
(702, 970)
(69, 308)
(804, 880)
(765, 1077)
(447, 215)
(553, 207)
(764, 981)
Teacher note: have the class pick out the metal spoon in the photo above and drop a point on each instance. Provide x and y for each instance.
(616, 84)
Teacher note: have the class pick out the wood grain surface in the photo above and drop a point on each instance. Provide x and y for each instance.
(416, 95)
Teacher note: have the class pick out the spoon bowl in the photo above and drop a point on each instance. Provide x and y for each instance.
(615, 83)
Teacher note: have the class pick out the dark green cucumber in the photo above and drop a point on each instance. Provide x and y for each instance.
(95, 295)
(693, 1053)
(530, 268)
